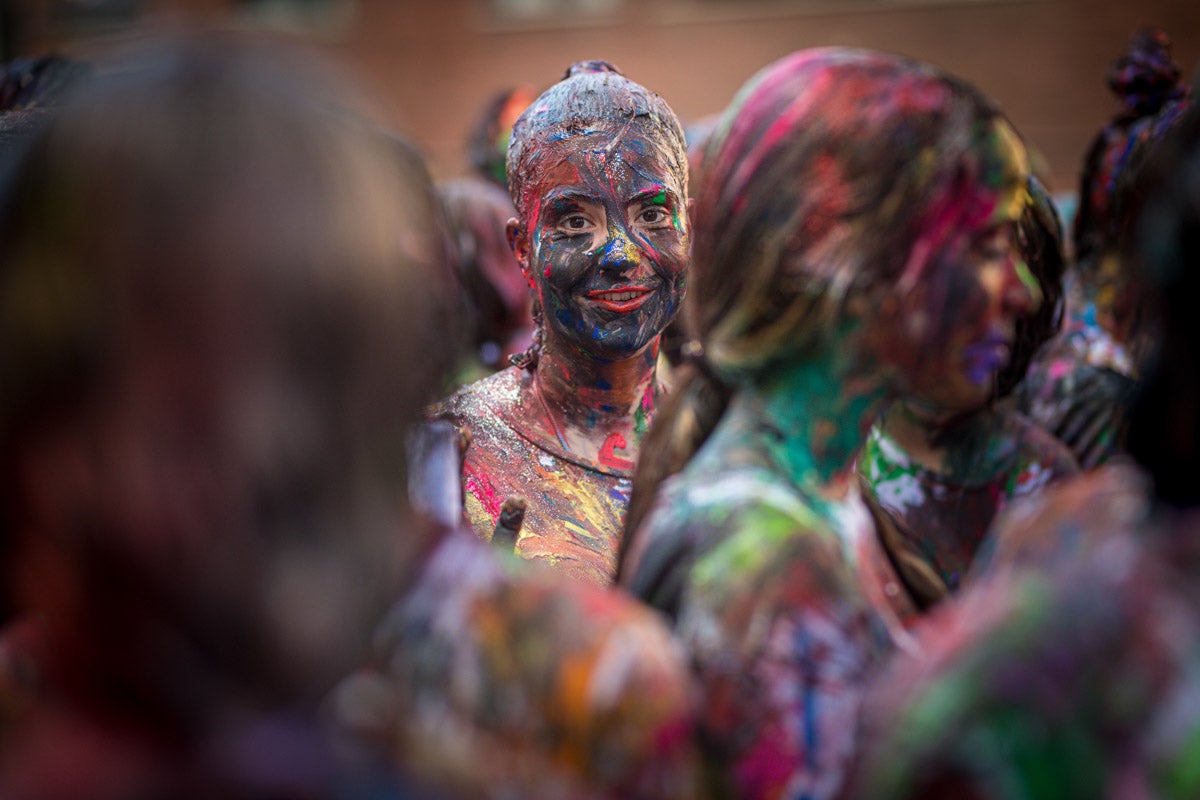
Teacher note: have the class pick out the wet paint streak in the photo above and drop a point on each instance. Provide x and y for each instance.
(608, 457)
(481, 489)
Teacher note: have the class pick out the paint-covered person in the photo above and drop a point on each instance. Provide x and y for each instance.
(487, 144)
(1080, 385)
(944, 459)
(598, 175)
(1145, 80)
(1073, 673)
(846, 202)
(497, 297)
(206, 297)
(496, 678)
(1114, 494)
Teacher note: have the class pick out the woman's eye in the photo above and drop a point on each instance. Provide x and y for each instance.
(653, 216)
(576, 223)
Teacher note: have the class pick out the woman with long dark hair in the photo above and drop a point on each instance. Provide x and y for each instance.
(856, 222)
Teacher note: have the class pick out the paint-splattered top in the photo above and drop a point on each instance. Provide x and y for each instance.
(497, 678)
(945, 517)
(576, 506)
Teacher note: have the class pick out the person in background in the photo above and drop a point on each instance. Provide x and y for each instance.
(205, 281)
(1069, 669)
(945, 459)
(499, 305)
(487, 146)
(1080, 386)
(1145, 80)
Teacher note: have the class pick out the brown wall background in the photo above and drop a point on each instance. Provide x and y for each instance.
(434, 63)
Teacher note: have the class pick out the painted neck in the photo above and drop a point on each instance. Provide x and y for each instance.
(931, 437)
(819, 416)
(596, 410)
(585, 391)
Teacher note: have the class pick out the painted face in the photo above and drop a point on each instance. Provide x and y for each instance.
(605, 244)
(972, 297)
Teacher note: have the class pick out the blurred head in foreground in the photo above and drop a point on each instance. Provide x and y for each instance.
(497, 295)
(212, 280)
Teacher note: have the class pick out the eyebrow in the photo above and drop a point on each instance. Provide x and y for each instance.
(567, 194)
(655, 194)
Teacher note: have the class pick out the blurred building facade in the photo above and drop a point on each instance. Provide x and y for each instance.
(435, 63)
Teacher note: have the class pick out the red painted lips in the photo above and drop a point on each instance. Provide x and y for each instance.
(621, 300)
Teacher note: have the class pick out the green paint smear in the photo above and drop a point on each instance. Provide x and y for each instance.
(1029, 281)
(1180, 778)
(755, 541)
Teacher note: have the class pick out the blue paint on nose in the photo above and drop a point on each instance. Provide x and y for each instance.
(618, 251)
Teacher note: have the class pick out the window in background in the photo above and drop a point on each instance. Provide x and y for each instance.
(322, 17)
(95, 16)
(543, 9)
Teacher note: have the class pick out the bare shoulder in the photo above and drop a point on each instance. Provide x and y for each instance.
(486, 397)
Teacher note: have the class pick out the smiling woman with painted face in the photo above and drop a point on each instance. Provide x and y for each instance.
(598, 173)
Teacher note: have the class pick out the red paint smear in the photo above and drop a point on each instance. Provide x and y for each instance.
(608, 459)
(673, 737)
(748, 165)
(960, 209)
(765, 768)
(483, 491)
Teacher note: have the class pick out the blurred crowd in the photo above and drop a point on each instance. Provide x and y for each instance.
(801, 451)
